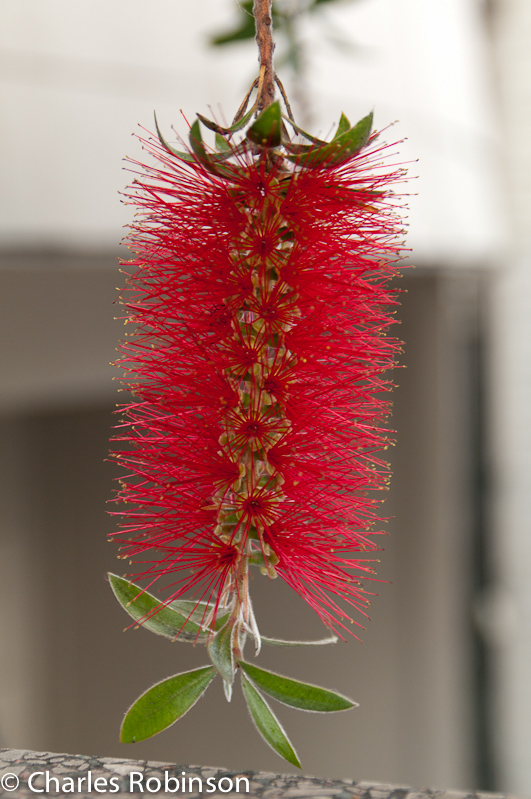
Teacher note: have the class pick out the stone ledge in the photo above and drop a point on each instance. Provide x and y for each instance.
(80, 776)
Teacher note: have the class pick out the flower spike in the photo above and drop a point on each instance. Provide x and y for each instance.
(259, 299)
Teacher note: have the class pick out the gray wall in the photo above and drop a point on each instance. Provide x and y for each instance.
(69, 672)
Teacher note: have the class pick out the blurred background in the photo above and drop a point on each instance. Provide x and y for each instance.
(443, 677)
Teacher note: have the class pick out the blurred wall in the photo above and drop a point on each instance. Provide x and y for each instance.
(505, 611)
(73, 89)
(440, 687)
(69, 672)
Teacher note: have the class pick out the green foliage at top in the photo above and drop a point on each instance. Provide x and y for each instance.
(266, 131)
(269, 132)
(283, 18)
(343, 145)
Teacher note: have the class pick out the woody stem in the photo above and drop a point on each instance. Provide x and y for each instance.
(241, 609)
(264, 39)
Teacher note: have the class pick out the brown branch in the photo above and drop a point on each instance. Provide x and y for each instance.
(285, 98)
(243, 107)
(264, 39)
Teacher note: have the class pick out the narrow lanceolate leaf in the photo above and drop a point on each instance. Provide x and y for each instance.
(227, 689)
(339, 149)
(297, 694)
(242, 122)
(246, 29)
(343, 126)
(267, 724)
(222, 144)
(280, 642)
(181, 620)
(238, 125)
(221, 654)
(302, 132)
(164, 703)
(266, 130)
(182, 155)
(211, 125)
(199, 149)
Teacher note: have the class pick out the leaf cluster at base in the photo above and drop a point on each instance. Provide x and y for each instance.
(268, 132)
(167, 701)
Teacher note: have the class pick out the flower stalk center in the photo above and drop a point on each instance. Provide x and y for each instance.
(259, 363)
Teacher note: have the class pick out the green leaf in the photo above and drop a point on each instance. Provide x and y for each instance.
(221, 652)
(211, 125)
(164, 703)
(227, 689)
(339, 149)
(196, 141)
(297, 694)
(182, 155)
(266, 129)
(298, 149)
(302, 132)
(267, 724)
(241, 123)
(208, 123)
(342, 127)
(246, 30)
(180, 620)
(267, 564)
(222, 144)
(280, 642)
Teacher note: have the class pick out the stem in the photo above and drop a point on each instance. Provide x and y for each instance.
(264, 39)
(254, 425)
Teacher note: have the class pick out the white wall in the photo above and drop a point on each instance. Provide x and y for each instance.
(78, 76)
(509, 603)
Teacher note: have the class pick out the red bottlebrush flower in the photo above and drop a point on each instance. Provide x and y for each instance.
(260, 306)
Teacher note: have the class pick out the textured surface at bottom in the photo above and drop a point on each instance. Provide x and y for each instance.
(24, 773)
